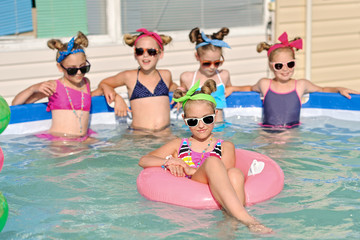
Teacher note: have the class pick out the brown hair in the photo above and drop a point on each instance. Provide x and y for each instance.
(195, 37)
(80, 42)
(130, 39)
(265, 46)
(208, 88)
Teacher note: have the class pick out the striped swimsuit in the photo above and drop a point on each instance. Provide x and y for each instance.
(194, 159)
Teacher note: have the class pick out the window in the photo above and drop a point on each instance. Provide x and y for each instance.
(52, 18)
(22, 21)
(175, 15)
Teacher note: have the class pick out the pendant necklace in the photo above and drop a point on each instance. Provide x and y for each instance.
(203, 152)
(72, 106)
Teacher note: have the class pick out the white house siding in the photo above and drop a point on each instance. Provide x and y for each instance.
(20, 69)
(335, 38)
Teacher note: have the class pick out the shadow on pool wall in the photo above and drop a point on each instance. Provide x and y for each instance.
(239, 103)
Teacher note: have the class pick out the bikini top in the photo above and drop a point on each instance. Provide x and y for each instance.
(195, 159)
(59, 100)
(219, 94)
(140, 91)
(281, 109)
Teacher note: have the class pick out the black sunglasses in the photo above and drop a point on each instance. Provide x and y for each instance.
(73, 71)
(279, 65)
(150, 51)
(193, 122)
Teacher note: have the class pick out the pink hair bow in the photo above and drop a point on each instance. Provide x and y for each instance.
(146, 33)
(285, 43)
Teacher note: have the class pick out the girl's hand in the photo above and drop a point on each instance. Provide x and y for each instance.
(121, 108)
(109, 93)
(183, 167)
(176, 170)
(47, 88)
(346, 92)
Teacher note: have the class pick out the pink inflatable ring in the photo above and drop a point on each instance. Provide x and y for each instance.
(264, 179)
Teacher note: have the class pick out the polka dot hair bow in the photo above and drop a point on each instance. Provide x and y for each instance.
(70, 46)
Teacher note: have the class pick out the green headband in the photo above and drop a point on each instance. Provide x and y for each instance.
(200, 96)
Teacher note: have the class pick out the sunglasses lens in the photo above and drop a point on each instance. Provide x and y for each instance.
(217, 63)
(291, 64)
(71, 71)
(208, 119)
(191, 122)
(206, 64)
(152, 52)
(85, 69)
(278, 66)
(139, 51)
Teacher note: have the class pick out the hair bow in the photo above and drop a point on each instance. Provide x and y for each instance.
(200, 96)
(285, 43)
(154, 35)
(70, 46)
(215, 42)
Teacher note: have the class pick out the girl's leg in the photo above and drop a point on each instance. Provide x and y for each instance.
(214, 173)
(237, 181)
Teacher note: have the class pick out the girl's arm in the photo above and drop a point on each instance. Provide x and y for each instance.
(311, 87)
(229, 90)
(261, 86)
(157, 157)
(35, 93)
(107, 87)
(172, 85)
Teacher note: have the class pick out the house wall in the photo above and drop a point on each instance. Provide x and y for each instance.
(22, 68)
(335, 55)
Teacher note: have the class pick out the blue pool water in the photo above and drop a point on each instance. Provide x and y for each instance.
(77, 192)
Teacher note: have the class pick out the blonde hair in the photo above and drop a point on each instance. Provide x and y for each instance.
(208, 88)
(195, 37)
(130, 39)
(80, 42)
(265, 46)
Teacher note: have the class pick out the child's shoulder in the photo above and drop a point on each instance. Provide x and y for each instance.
(228, 144)
(187, 76)
(165, 74)
(224, 72)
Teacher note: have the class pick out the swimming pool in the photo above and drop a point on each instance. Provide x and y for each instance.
(91, 193)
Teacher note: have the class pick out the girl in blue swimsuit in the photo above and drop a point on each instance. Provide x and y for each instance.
(210, 56)
(204, 158)
(147, 87)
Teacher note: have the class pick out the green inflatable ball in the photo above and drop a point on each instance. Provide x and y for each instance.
(4, 211)
(4, 114)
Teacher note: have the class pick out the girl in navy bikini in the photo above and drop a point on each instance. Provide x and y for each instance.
(69, 96)
(282, 94)
(148, 87)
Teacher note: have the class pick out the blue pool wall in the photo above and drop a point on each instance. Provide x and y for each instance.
(37, 111)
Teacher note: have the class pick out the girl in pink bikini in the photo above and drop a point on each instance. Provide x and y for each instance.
(69, 96)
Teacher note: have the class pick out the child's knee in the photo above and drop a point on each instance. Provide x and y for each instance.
(236, 176)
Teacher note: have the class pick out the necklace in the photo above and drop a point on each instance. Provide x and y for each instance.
(203, 152)
(72, 106)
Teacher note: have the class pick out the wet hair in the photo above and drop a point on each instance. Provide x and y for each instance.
(80, 42)
(265, 46)
(195, 37)
(208, 88)
(130, 39)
